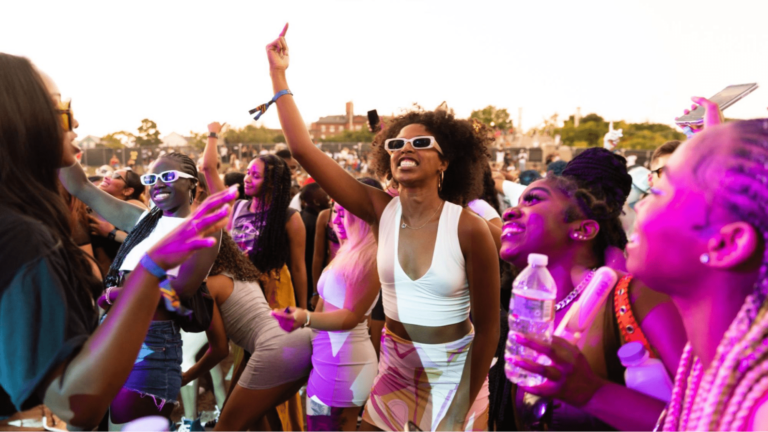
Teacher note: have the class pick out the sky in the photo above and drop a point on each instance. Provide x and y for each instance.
(185, 64)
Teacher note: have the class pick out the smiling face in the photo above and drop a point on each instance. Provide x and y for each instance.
(410, 166)
(338, 217)
(115, 185)
(537, 225)
(254, 178)
(174, 196)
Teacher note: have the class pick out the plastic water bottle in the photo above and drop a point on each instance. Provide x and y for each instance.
(645, 374)
(531, 314)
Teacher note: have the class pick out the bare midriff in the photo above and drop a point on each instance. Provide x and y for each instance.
(430, 335)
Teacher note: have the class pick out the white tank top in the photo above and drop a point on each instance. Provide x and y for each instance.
(441, 296)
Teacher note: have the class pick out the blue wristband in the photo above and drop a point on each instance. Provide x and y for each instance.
(263, 107)
(152, 267)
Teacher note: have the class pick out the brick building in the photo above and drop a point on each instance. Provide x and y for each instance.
(333, 125)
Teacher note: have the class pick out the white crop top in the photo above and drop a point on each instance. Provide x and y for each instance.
(333, 290)
(441, 296)
(165, 225)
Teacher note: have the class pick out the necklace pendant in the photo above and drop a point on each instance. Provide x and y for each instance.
(403, 226)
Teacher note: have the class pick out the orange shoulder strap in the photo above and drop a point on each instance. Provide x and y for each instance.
(629, 328)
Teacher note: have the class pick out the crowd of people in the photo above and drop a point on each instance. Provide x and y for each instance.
(379, 302)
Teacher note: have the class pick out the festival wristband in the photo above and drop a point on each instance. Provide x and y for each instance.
(152, 267)
(263, 107)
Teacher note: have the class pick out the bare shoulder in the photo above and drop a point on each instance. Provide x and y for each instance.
(220, 286)
(473, 230)
(643, 299)
(294, 222)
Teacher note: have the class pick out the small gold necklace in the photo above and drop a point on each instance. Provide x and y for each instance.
(405, 225)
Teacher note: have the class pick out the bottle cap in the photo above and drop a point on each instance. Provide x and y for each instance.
(150, 423)
(538, 260)
(631, 353)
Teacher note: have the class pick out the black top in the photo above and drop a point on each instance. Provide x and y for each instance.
(44, 317)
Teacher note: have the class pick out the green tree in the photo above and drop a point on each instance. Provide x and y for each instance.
(362, 135)
(592, 128)
(493, 117)
(252, 135)
(639, 136)
(118, 140)
(197, 140)
(148, 134)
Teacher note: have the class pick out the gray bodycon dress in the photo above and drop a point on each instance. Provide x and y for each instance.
(277, 357)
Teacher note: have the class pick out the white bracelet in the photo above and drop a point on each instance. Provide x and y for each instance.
(106, 296)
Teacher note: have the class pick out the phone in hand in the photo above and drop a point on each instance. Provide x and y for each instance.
(725, 98)
(373, 120)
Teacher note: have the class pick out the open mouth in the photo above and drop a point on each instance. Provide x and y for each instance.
(407, 163)
(511, 229)
(160, 195)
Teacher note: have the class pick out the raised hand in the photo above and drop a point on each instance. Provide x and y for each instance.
(277, 52)
(211, 216)
(215, 127)
(569, 377)
(712, 114)
(611, 139)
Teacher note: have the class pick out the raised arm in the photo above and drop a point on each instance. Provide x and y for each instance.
(297, 239)
(211, 159)
(363, 201)
(121, 214)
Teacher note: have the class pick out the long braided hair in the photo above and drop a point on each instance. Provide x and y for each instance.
(148, 224)
(272, 249)
(738, 375)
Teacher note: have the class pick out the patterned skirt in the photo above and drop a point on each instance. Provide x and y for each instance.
(417, 382)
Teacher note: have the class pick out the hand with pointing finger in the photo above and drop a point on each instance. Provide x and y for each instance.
(277, 52)
(611, 139)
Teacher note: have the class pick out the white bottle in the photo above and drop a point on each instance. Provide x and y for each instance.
(531, 314)
(645, 374)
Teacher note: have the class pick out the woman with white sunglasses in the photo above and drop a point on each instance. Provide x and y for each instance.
(436, 260)
(153, 385)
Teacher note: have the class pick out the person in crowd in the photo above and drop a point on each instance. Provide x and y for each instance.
(574, 219)
(172, 181)
(96, 179)
(280, 361)
(487, 206)
(313, 201)
(61, 358)
(445, 269)
(326, 246)
(557, 167)
(343, 359)
(640, 188)
(124, 185)
(271, 234)
(700, 237)
(659, 159)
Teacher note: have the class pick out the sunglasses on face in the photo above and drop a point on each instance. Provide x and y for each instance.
(418, 143)
(65, 111)
(117, 176)
(166, 176)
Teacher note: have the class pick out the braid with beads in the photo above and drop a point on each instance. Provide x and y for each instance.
(738, 375)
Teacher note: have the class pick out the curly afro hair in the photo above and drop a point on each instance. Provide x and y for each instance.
(465, 147)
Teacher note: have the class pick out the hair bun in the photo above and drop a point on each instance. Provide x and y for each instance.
(604, 173)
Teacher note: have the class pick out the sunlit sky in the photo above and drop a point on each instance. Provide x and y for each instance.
(184, 64)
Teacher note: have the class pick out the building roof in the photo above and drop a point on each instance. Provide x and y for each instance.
(341, 119)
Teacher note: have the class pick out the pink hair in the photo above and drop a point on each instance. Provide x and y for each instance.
(357, 255)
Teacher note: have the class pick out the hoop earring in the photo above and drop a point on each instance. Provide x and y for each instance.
(440, 184)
